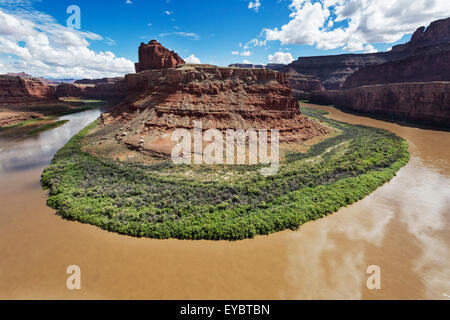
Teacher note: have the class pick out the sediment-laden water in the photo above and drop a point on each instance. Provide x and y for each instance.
(403, 227)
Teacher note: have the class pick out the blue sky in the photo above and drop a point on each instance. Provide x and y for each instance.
(220, 26)
(213, 31)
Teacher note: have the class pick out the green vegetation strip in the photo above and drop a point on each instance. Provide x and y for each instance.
(136, 200)
(46, 127)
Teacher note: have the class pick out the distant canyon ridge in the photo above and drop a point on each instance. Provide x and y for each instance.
(409, 82)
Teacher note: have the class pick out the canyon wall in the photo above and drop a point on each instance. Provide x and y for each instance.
(416, 87)
(334, 70)
(15, 89)
(426, 102)
(302, 85)
(424, 66)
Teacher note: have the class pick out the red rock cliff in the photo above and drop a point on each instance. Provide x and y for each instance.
(154, 56)
(15, 89)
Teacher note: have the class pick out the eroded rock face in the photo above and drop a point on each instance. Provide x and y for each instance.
(334, 70)
(154, 56)
(427, 103)
(432, 65)
(15, 89)
(161, 101)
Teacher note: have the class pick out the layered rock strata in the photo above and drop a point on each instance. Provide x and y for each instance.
(15, 89)
(424, 66)
(161, 101)
(334, 70)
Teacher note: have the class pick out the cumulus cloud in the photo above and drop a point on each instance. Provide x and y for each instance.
(355, 24)
(192, 59)
(35, 43)
(254, 5)
(281, 57)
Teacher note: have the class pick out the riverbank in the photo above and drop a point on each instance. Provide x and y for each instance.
(28, 119)
(150, 201)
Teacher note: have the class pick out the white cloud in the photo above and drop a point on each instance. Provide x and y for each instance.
(361, 22)
(254, 5)
(281, 57)
(247, 62)
(192, 59)
(38, 45)
(128, 2)
(168, 12)
(192, 35)
(235, 53)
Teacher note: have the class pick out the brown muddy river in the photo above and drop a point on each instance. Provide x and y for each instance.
(403, 227)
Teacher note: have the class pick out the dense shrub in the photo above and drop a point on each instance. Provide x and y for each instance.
(136, 200)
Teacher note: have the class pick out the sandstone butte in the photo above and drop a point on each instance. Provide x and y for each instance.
(162, 100)
(154, 56)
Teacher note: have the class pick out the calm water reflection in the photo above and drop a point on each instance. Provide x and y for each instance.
(38, 150)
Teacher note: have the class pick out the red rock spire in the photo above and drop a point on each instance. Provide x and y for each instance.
(154, 56)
